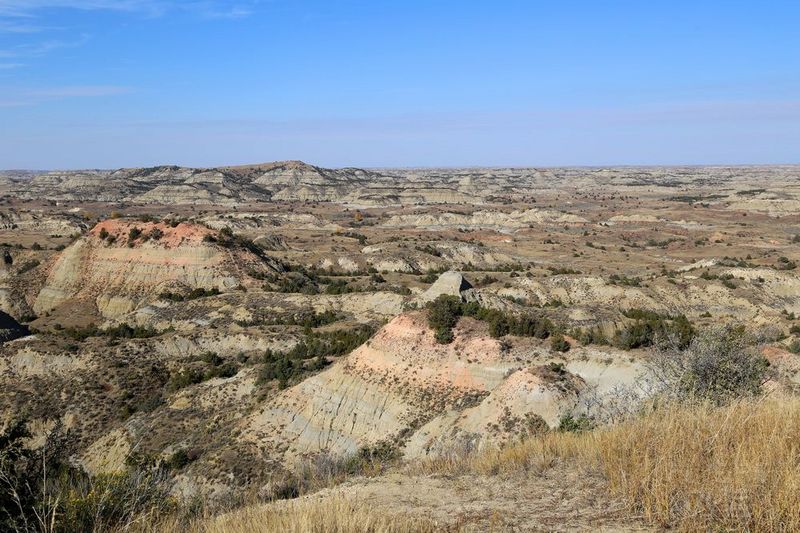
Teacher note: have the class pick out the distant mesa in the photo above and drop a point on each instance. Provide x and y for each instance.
(297, 181)
(284, 181)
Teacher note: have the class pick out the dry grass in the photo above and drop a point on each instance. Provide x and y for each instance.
(732, 468)
(312, 515)
(695, 468)
(699, 468)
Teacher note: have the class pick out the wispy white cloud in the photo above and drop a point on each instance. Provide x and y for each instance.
(78, 91)
(23, 17)
(206, 8)
(234, 12)
(17, 26)
(41, 48)
(13, 103)
(29, 8)
(15, 97)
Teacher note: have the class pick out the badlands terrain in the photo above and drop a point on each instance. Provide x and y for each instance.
(239, 327)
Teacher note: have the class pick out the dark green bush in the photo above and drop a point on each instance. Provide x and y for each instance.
(194, 294)
(120, 331)
(28, 266)
(310, 354)
(720, 364)
(559, 344)
(444, 312)
(570, 423)
(295, 283)
(43, 492)
(650, 326)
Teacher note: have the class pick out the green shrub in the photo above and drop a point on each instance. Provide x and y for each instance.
(559, 344)
(295, 283)
(443, 336)
(120, 331)
(181, 459)
(590, 336)
(185, 378)
(310, 354)
(194, 294)
(784, 263)
(570, 423)
(307, 319)
(367, 456)
(430, 277)
(444, 312)
(339, 286)
(28, 266)
(362, 239)
(42, 492)
(650, 326)
(443, 315)
(616, 279)
(720, 364)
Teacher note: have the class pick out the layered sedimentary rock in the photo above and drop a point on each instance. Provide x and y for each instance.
(405, 389)
(121, 264)
(484, 219)
(32, 221)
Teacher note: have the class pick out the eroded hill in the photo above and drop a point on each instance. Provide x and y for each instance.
(239, 323)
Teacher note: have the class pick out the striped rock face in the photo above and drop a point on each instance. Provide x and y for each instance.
(403, 388)
(121, 264)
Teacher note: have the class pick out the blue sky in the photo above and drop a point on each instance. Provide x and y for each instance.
(103, 84)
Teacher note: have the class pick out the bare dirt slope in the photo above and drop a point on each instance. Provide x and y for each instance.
(558, 499)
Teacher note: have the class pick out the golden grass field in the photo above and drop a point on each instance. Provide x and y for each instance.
(698, 468)
(328, 515)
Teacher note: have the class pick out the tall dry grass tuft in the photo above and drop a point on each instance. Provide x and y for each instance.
(698, 468)
(314, 515)
(702, 468)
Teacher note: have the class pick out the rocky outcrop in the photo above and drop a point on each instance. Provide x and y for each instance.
(33, 221)
(122, 264)
(484, 219)
(383, 390)
(450, 283)
(527, 402)
(403, 388)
